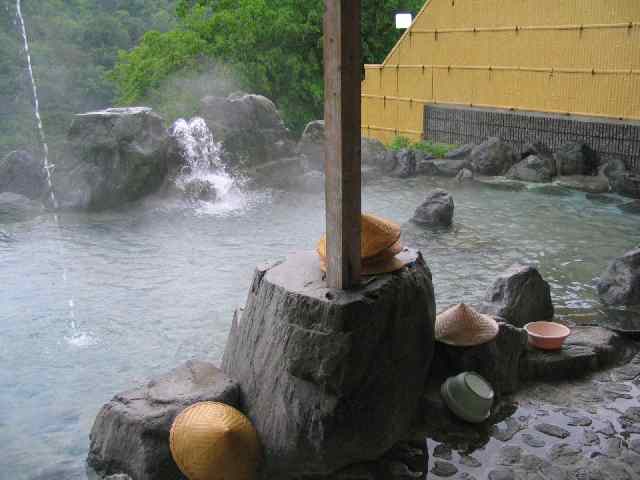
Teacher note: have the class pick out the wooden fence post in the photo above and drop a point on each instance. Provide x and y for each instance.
(342, 77)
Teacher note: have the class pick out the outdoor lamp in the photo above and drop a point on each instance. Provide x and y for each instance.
(403, 20)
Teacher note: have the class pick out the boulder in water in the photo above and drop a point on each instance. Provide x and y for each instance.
(620, 283)
(112, 156)
(405, 165)
(627, 184)
(424, 164)
(450, 167)
(436, 210)
(23, 174)
(249, 127)
(460, 153)
(520, 295)
(532, 169)
(576, 158)
(373, 152)
(492, 157)
(540, 150)
(130, 435)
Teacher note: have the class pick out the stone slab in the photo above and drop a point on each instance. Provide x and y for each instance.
(587, 349)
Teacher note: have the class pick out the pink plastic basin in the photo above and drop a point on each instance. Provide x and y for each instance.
(547, 335)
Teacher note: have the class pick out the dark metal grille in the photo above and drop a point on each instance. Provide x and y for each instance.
(459, 125)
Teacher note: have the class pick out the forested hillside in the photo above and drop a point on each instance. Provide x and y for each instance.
(272, 47)
(74, 43)
(90, 54)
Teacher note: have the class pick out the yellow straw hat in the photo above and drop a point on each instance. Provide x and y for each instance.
(378, 234)
(213, 441)
(462, 326)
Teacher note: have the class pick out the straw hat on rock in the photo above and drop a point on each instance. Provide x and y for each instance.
(213, 441)
(379, 245)
(462, 326)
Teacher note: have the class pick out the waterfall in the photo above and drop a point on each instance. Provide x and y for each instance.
(203, 177)
(46, 165)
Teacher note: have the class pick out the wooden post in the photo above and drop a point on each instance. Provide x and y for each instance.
(342, 145)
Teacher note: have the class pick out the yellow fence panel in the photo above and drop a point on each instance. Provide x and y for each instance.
(569, 56)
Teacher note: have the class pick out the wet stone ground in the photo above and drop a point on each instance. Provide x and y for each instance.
(583, 430)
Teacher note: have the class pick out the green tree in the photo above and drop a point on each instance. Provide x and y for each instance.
(272, 47)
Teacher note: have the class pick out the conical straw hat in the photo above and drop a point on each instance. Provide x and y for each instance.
(462, 326)
(388, 261)
(213, 441)
(377, 235)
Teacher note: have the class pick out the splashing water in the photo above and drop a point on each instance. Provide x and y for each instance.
(203, 177)
(48, 167)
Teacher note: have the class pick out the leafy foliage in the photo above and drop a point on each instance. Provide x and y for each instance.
(438, 150)
(272, 47)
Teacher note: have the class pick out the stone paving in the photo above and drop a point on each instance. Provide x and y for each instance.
(582, 430)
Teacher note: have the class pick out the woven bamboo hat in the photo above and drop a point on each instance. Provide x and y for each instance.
(462, 326)
(378, 234)
(213, 441)
(380, 245)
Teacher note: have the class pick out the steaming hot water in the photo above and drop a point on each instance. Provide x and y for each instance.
(156, 284)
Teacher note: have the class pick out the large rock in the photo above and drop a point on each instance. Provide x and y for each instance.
(436, 210)
(626, 183)
(576, 158)
(532, 169)
(424, 164)
(540, 150)
(112, 156)
(620, 283)
(131, 433)
(375, 155)
(405, 164)
(331, 377)
(373, 152)
(249, 127)
(450, 167)
(586, 350)
(498, 360)
(613, 168)
(519, 296)
(492, 157)
(460, 153)
(23, 174)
